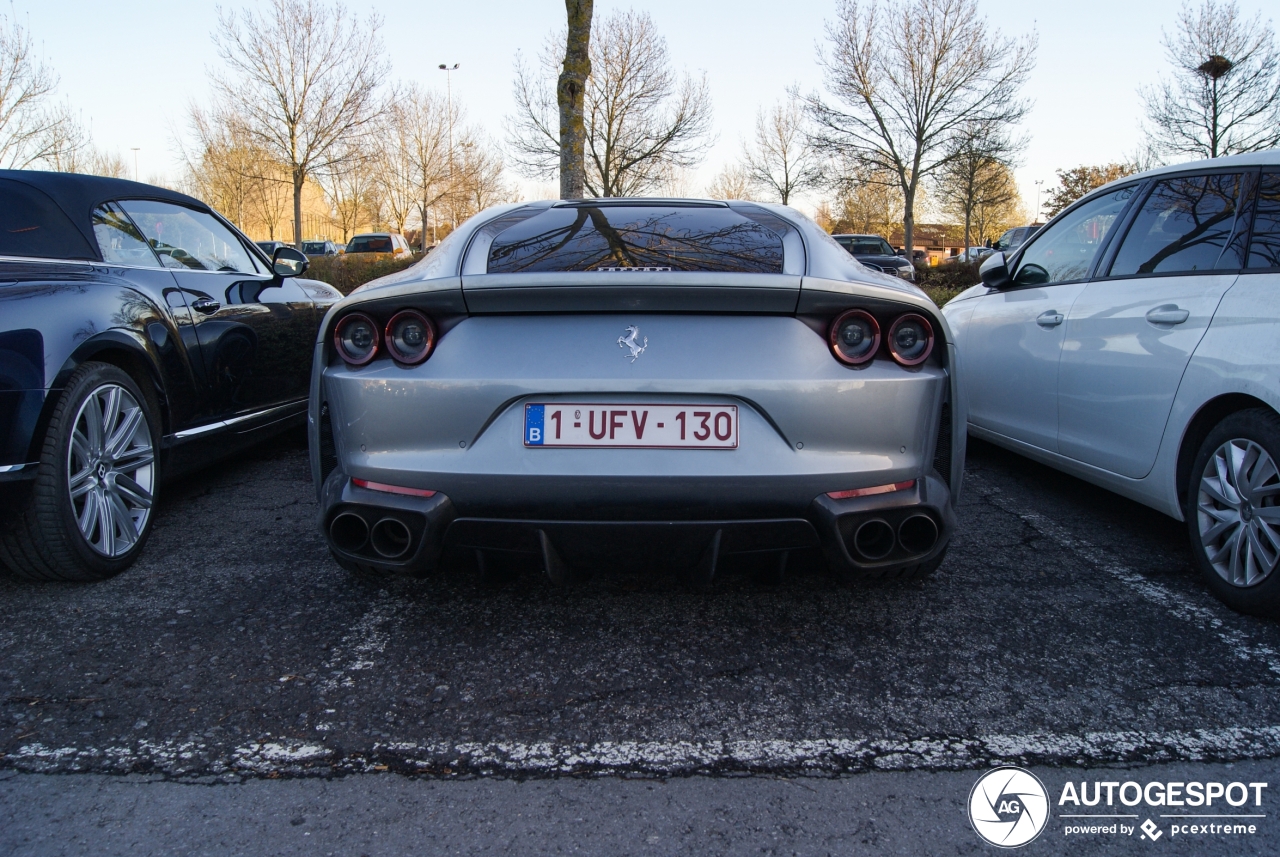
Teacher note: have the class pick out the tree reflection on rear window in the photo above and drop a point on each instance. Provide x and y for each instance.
(612, 237)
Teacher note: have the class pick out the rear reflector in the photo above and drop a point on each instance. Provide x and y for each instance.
(393, 489)
(867, 492)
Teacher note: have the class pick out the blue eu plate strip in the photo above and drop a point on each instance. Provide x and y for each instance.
(533, 417)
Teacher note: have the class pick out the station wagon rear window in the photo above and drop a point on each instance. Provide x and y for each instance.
(638, 237)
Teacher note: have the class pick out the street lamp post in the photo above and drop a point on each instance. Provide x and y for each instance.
(448, 88)
(135, 161)
(1038, 183)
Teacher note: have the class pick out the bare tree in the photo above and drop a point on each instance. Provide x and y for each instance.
(571, 90)
(640, 118)
(1224, 97)
(869, 201)
(732, 182)
(1000, 208)
(222, 166)
(413, 160)
(780, 161)
(977, 175)
(479, 177)
(909, 77)
(348, 190)
(32, 129)
(302, 78)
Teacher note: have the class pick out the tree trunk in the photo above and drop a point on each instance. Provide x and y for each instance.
(570, 91)
(298, 179)
(909, 222)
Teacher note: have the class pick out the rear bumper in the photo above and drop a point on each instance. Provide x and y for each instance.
(856, 535)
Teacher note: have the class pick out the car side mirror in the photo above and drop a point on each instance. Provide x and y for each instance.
(995, 272)
(288, 262)
(902, 253)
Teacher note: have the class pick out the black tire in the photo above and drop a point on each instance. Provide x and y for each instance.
(42, 541)
(898, 573)
(1260, 597)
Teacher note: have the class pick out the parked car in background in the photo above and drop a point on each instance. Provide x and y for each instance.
(320, 248)
(1012, 239)
(380, 242)
(973, 254)
(592, 382)
(140, 335)
(875, 253)
(269, 248)
(1133, 342)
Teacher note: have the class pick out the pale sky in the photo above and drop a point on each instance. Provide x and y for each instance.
(132, 67)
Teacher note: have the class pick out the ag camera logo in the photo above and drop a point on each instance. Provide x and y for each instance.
(1008, 807)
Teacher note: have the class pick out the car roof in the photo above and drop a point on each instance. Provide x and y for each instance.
(78, 194)
(1268, 158)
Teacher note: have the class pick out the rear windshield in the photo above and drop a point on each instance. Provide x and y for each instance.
(866, 246)
(370, 244)
(313, 247)
(33, 225)
(637, 237)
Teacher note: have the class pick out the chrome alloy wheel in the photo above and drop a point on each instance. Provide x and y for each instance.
(110, 470)
(1237, 512)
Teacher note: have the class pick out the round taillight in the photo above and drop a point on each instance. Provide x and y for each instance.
(855, 337)
(410, 337)
(911, 339)
(356, 338)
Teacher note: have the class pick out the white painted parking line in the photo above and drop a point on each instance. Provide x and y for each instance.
(659, 758)
(367, 637)
(1202, 611)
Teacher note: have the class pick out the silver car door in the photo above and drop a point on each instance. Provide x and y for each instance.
(1130, 334)
(1014, 338)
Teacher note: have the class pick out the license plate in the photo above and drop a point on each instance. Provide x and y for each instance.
(631, 426)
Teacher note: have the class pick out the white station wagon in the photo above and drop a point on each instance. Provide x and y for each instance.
(1134, 342)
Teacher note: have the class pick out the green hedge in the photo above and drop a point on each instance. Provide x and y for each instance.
(943, 282)
(346, 273)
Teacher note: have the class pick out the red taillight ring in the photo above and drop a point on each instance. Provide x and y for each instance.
(928, 346)
(337, 339)
(391, 343)
(835, 329)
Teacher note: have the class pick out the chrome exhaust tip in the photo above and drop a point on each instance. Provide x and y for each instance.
(874, 539)
(918, 534)
(348, 532)
(390, 538)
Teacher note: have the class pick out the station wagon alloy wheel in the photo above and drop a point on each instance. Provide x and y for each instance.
(1237, 512)
(110, 470)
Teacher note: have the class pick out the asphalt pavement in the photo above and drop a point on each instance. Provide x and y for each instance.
(236, 680)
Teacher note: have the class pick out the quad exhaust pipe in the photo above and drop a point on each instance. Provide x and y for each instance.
(875, 539)
(348, 532)
(390, 538)
(918, 534)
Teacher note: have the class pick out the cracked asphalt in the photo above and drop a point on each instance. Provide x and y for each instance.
(1067, 629)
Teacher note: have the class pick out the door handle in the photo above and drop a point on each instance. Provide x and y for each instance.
(208, 306)
(1049, 318)
(1168, 314)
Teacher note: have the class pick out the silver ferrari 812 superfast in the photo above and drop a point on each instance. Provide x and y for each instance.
(595, 381)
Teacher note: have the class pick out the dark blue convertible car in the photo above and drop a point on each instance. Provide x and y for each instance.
(141, 335)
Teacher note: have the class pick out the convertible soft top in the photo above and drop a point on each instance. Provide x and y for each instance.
(77, 195)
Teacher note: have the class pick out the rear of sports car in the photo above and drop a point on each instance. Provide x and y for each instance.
(604, 380)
